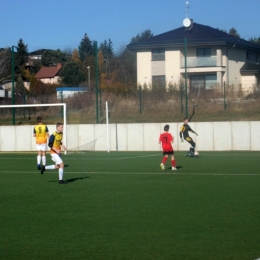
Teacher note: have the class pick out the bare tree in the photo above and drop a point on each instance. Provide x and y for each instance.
(5, 63)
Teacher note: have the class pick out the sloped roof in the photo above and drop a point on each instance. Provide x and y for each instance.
(38, 52)
(196, 35)
(249, 68)
(48, 72)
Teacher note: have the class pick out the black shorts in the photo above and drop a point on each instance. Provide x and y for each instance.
(168, 153)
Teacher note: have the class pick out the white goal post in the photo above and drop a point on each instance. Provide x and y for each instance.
(63, 105)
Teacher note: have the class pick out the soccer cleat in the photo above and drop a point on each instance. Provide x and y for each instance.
(174, 168)
(62, 182)
(162, 166)
(43, 169)
(39, 167)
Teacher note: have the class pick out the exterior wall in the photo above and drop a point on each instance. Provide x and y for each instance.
(219, 57)
(26, 84)
(236, 60)
(172, 67)
(228, 64)
(8, 85)
(67, 93)
(50, 80)
(144, 68)
(213, 136)
(248, 83)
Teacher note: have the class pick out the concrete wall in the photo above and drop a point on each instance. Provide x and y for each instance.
(213, 136)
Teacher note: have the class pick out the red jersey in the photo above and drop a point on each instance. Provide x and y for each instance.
(166, 139)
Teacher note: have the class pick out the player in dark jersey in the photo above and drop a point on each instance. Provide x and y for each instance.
(166, 140)
(184, 135)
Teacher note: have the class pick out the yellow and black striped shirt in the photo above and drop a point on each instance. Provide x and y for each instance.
(184, 130)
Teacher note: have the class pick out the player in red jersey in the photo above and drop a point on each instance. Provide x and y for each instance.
(166, 140)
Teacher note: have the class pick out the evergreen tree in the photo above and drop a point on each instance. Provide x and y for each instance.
(85, 48)
(222, 30)
(20, 56)
(146, 34)
(107, 48)
(71, 74)
(127, 59)
(107, 52)
(234, 32)
(254, 40)
(52, 57)
(101, 64)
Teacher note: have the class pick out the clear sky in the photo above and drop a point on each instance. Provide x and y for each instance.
(53, 24)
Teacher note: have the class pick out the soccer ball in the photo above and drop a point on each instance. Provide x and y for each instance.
(196, 153)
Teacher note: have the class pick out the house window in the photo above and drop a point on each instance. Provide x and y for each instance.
(158, 81)
(203, 81)
(203, 52)
(158, 54)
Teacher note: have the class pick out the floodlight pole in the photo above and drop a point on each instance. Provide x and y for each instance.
(96, 68)
(186, 87)
(13, 99)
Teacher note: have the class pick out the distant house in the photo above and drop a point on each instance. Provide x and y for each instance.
(36, 55)
(49, 74)
(65, 92)
(6, 89)
(213, 57)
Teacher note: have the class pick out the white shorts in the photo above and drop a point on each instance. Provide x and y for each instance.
(41, 147)
(56, 158)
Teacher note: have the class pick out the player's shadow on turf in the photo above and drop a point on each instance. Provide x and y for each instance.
(178, 167)
(76, 179)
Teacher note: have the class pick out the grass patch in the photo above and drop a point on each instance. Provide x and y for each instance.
(120, 205)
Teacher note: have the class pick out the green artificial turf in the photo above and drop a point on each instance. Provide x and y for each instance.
(120, 205)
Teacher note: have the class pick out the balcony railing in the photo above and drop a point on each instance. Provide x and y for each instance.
(193, 62)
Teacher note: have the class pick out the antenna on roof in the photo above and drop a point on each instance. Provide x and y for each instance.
(187, 22)
(187, 9)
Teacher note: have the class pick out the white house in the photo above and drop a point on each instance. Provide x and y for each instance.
(49, 74)
(206, 55)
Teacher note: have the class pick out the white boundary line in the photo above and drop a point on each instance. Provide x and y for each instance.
(140, 173)
(92, 159)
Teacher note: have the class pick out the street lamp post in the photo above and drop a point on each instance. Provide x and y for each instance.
(186, 85)
(88, 67)
(96, 76)
(13, 98)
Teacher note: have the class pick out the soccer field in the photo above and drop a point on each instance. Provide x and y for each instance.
(120, 205)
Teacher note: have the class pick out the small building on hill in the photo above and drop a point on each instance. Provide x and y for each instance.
(65, 92)
(49, 74)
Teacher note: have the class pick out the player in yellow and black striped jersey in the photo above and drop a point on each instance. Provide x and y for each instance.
(184, 135)
(56, 145)
(41, 134)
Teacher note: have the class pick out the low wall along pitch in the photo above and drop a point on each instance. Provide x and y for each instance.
(213, 136)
